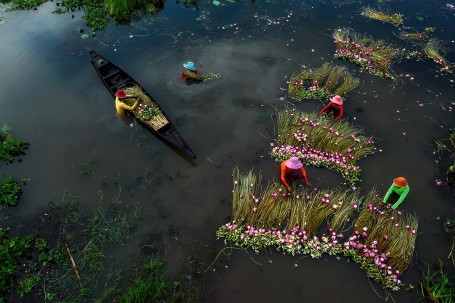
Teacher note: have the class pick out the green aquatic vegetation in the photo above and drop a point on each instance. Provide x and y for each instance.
(438, 286)
(10, 146)
(10, 191)
(23, 4)
(19, 270)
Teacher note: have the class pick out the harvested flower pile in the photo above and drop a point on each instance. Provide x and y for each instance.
(382, 240)
(318, 140)
(321, 82)
(371, 55)
(147, 111)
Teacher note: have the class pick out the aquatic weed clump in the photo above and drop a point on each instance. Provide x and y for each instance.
(10, 191)
(320, 83)
(315, 223)
(438, 285)
(10, 146)
(395, 19)
(373, 56)
(318, 140)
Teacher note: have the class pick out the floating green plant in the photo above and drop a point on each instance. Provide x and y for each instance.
(314, 222)
(321, 83)
(10, 191)
(318, 140)
(373, 56)
(395, 19)
(10, 146)
(412, 36)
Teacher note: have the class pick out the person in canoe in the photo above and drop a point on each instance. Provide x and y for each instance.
(292, 170)
(191, 73)
(120, 105)
(397, 192)
(336, 106)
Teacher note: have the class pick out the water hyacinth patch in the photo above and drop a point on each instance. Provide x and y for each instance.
(373, 56)
(319, 141)
(315, 223)
(321, 83)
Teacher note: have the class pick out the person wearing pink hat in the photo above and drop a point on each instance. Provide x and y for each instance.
(399, 189)
(293, 169)
(335, 105)
(121, 106)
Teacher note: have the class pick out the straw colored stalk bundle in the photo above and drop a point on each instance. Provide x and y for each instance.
(349, 84)
(372, 55)
(336, 73)
(158, 120)
(412, 36)
(339, 140)
(367, 218)
(273, 209)
(432, 49)
(246, 186)
(319, 83)
(317, 212)
(346, 203)
(395, 19)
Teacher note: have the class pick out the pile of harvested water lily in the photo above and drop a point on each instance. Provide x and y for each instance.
(313, 223)
(319, 141)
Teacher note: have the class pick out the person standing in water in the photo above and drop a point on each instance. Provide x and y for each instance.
(397, 192)
(292, 170)
(335, 105)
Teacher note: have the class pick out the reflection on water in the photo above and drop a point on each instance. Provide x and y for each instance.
(53, 98)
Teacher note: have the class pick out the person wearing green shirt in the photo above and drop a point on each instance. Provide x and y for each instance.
(400, 188)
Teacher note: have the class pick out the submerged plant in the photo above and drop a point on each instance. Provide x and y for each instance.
(318, 140)
(373, 56)
(395, 19)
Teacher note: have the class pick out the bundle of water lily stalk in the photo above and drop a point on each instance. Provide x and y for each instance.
(306, 222)
(373, 56)
(395, 18)
(319, 141)
(323, 82)
(147, 111)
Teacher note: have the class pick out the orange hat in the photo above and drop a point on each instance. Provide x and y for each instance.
(400, 182)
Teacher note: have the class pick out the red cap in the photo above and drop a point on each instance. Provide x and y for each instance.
(400, 182)
(120, 94)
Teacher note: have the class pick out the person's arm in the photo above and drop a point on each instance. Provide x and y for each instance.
(402, 196)
(340, 114)
(325, 108)
(283, 175)
(193, 75)
(132, 107)
(387, 195)
(302, 170)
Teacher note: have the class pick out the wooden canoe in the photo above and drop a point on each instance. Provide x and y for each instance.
(114, 78)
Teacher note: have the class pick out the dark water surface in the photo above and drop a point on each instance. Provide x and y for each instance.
(52, 97)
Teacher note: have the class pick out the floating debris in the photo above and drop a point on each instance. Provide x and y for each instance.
(318, 140)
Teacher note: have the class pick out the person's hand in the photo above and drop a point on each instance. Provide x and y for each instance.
(309, 184)
(289, 189)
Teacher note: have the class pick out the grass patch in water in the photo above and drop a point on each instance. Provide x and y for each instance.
(10, 146)
(438, 286)
(10, 191)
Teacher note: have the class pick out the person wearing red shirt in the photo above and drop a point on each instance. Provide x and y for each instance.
(190, 73)
(292, 169)
(335, 105)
